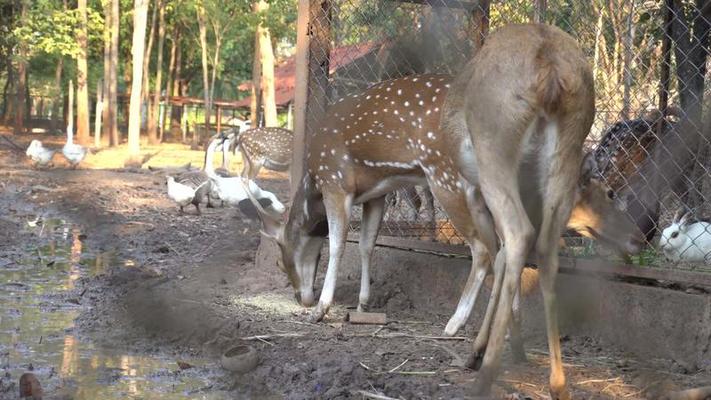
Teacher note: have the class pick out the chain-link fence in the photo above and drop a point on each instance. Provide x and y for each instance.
(650, 135)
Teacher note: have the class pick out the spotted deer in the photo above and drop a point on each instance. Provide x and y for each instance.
(263, 147)
(386, 138)
(523, 107)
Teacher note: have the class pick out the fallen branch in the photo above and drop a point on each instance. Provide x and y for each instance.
(276, 335)
(407, 335)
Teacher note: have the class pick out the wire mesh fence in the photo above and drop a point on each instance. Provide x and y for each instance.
(651, 130)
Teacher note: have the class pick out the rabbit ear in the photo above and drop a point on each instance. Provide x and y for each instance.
(679, 214)
(686, 218)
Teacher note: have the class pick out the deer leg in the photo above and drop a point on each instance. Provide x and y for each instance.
(255, 167)
(482, 337)
(479, 269)
(500, 189)
(560, 196)
(338, 208)
(516, 341)
(372, 217)
(470, 220)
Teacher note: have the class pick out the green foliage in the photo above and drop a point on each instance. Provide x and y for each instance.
(50, 29)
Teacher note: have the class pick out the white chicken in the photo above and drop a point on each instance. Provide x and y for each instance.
(40, 155)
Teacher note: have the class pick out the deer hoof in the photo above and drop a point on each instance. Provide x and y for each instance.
(318, 313)
(475, 360)
(560, 394)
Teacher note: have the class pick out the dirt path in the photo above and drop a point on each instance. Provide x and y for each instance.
(184, 286)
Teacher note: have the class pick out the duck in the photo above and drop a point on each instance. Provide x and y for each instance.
(40, 155)
(188, 188)
(232, 190)
(74, 153)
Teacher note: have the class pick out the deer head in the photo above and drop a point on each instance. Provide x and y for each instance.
(599, 215)
(300, 234)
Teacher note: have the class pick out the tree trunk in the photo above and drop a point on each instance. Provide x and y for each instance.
(70, 113)
(627, 63)
(266, 58)
(82, 75)
(202, 22)
(107, 70)
(153, 114)
(169, 83)
(255, 105)
(56, 102)
(140, 17)
(6, 101)
(145, 88)
(98, 112)
(112, 106)
(176, 113)
(20, 101)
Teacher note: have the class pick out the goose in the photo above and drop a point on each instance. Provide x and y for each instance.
(222, 171)
(189, 188)
(232, 190)
(40, 155)
(74, 153)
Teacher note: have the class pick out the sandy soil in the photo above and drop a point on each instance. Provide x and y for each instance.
(187, 284)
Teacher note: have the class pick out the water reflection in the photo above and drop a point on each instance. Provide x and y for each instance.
(36, 327)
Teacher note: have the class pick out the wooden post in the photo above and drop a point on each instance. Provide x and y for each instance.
(313, 50)
(540, 11)
(290, 116)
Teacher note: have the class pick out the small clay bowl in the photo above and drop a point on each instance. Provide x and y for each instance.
(240, 359)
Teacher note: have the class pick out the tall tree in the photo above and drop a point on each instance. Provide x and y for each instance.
(140, 17)
(202, 26)
(155, 106)
(20, 88)
(82, 75)
(255, 103)
(112, 120)
(145, 88)
(266, 59)
(107, 71)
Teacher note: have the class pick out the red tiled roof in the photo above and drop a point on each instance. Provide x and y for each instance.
(285, 72)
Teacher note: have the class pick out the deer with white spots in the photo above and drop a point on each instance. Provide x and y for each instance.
(386, 138)
(263, 147)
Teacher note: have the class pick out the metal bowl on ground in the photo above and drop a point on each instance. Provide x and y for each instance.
(242, 358)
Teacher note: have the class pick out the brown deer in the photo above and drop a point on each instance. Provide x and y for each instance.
(263, 147)
(383, 139)
(526, 102)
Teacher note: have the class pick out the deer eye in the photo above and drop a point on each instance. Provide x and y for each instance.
(611, 194)
(674, 235)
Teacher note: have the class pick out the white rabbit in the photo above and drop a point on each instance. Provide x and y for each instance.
(686, 239)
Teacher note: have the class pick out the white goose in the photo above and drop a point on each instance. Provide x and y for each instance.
(232, 191)
(74, 153)
(40, 155)
(187, 191)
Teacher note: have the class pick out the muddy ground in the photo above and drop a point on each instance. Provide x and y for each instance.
(183, 287)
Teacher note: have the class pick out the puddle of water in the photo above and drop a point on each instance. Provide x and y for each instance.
(37, 330)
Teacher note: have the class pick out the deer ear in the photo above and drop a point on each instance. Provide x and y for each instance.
(588, 169)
